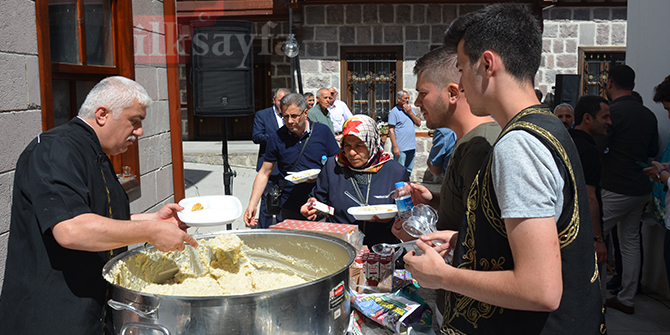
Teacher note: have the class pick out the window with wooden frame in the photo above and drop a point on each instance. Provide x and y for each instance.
(595, 63)
(81, 42)
(372, 76)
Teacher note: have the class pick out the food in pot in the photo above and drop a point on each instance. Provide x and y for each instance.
(197, 207)
(229, 267)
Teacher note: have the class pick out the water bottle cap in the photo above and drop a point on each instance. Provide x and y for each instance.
(323, 158)
(399, 184)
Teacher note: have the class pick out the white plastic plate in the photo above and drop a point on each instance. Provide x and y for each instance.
(217, 210)
(368, 212)
(303, 176)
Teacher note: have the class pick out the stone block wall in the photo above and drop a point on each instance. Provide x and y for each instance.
(568, 28)
(20, 114)
(274, 34)
(416, 27)
(156, 185)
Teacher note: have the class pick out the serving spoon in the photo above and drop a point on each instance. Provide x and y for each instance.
(387, 249)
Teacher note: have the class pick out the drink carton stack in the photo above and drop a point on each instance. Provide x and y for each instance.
(373, 271)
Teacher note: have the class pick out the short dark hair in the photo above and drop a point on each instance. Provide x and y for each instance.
(510, 30)
(438, 67)
(662, 91)
(588, 104)
(622, 76)
(308, 95)
(293, 99)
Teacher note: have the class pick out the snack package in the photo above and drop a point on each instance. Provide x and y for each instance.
(357, 271)
(372, 269)
(398, 311)
(386, 269)
(402, 278)
(346, 232)
(321, 207)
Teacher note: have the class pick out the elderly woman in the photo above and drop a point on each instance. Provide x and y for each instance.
(362, 168)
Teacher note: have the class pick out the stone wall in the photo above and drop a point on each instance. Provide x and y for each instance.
(156, 184)
(566, 29)
(20, 114)
(416, 27)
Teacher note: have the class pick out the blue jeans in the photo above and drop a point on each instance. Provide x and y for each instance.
(406, 159)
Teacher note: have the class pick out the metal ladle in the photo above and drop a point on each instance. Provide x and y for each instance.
(386, 249)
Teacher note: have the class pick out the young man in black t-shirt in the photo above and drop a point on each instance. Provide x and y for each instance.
(592, 117)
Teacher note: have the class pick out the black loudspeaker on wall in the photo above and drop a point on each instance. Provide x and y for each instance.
(567, 89)
(223, 77)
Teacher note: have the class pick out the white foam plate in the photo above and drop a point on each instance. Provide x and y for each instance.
(303, 176)
(368, 212)
(218, 210)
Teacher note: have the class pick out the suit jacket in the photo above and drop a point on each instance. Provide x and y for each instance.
(265, 123)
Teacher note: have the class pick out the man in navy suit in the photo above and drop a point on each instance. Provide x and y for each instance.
(266, 122)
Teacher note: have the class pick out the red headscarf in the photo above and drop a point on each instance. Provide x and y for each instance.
(365, 128)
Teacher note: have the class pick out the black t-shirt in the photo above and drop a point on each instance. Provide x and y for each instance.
(632, 137)
(589, 155)
(48, 289)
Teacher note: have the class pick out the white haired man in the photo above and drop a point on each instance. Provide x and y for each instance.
(70, 215)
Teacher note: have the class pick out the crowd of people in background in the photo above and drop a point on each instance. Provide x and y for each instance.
(595, 167)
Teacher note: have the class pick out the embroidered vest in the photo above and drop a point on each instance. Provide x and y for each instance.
(483, 246)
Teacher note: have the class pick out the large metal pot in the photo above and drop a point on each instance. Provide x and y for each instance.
(320, 306)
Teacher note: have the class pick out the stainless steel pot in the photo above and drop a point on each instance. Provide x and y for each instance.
(320, 306)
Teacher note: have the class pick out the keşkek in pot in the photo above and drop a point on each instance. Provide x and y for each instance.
(318, 304)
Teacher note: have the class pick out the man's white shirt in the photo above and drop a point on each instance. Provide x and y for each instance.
(339, 112)
(280, 121)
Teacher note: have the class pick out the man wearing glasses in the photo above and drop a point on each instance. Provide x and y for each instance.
(284, 150)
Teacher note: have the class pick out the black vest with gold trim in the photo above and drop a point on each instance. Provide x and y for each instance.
(483, 246)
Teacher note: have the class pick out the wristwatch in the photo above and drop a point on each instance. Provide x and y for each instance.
(658, 174)
(598, 238)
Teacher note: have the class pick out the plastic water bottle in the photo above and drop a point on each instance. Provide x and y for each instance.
(403, 199)
(323, 159)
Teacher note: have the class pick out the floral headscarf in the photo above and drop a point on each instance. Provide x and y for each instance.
(365, 128)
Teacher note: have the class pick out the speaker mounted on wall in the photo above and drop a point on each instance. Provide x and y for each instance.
(222, 69)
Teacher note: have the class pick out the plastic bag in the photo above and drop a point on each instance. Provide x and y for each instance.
(397, 311)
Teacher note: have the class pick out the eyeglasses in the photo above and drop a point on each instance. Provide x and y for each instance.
(289, 116)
